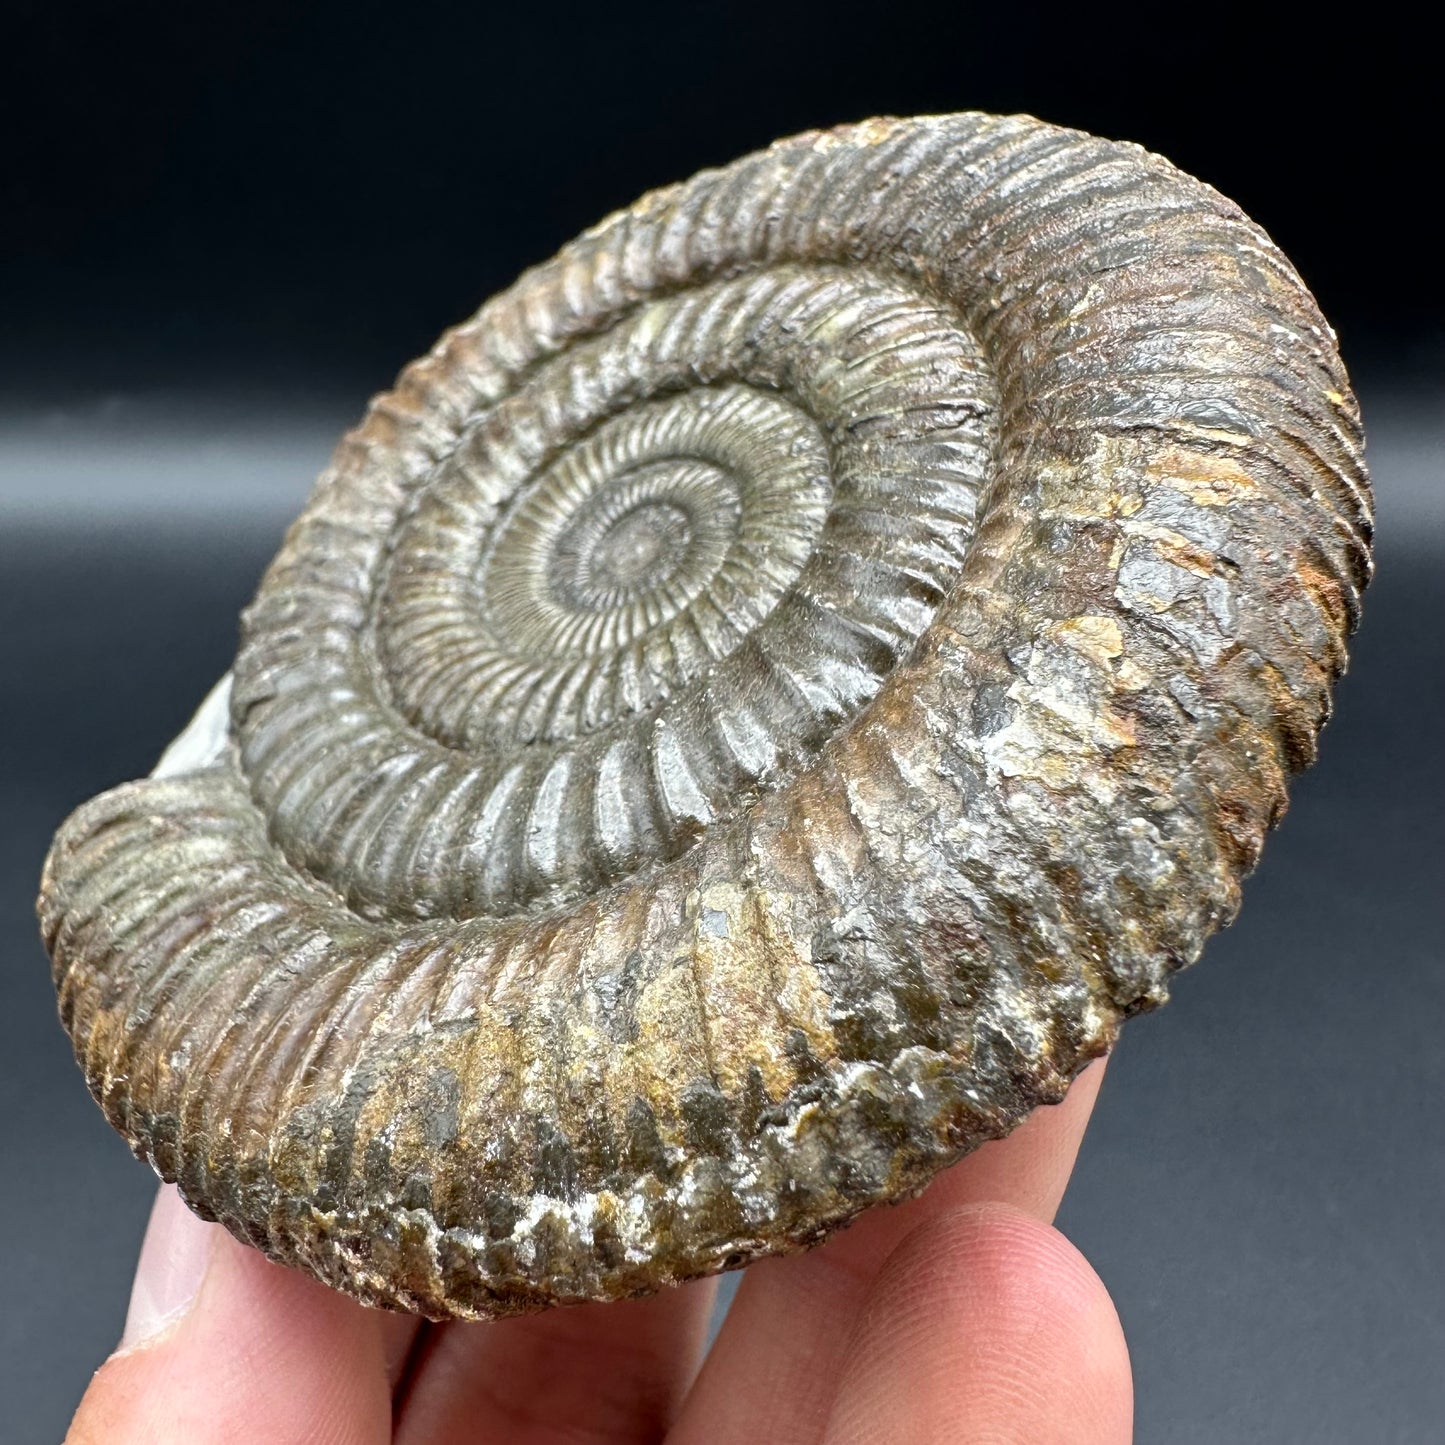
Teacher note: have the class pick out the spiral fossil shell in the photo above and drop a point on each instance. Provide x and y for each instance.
(740, 724)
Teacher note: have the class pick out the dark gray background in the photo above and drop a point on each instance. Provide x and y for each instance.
(224, 230)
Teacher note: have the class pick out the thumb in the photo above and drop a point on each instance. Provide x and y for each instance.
(222, 1346)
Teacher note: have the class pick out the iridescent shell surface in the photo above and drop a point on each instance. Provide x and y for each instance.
(740, 724)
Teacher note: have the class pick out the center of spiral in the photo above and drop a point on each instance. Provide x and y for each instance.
(635, 549)
(642, 549)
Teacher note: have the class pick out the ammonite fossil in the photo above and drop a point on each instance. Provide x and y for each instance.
(740, 724)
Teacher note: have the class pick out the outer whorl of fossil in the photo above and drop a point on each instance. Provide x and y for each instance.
(739, 725)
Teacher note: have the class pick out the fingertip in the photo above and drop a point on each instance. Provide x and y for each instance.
(221, 1345)
(173, 1261)
(1030, 1167)
(775, 1368)
(985, 1324)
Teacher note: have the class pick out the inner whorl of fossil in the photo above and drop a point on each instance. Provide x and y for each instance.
(650, 581)
(645, 554)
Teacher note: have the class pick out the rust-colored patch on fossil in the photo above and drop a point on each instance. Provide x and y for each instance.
(740, 724)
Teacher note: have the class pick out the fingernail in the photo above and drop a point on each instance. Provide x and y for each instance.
(172, 1265)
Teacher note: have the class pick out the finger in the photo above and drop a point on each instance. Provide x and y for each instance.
(774, 1368)
(1028, 1169)
(223, 1346)
(985, 1325)
(593, 1373)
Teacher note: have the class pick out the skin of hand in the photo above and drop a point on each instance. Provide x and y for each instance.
(959, 1316)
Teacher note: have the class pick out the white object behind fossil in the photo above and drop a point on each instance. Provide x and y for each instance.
(200, 742)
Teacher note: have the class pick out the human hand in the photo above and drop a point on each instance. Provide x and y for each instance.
(962, 1315)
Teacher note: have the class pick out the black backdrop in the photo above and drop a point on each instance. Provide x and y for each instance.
(262, 188)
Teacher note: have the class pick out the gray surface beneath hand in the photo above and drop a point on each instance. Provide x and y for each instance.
(1260, 1188)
